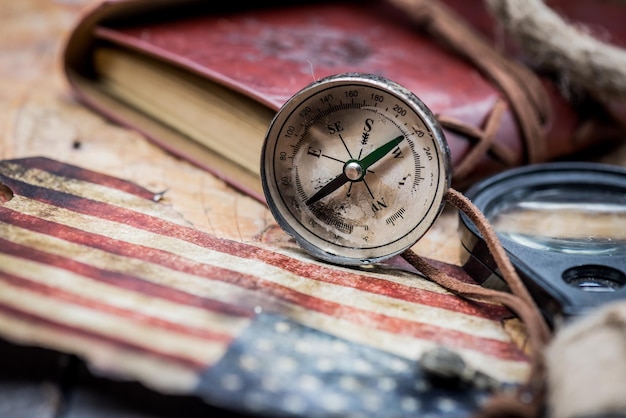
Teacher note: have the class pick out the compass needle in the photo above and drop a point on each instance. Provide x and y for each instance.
(363, 165)
(343, 211)
(330, 187)
(380, 152)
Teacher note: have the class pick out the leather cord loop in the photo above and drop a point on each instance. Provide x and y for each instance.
(529, 398)
(521, 87)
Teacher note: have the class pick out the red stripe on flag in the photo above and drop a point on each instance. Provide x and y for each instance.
(362, 317)
(306, 270)
(73, 172)
(122, 313)
(123, 280)
(109, 339)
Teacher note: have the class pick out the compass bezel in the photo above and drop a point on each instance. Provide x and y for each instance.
(326, 249)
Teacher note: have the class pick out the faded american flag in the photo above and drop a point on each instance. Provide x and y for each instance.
(95, 266)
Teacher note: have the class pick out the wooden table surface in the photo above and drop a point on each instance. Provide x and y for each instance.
(38, 117)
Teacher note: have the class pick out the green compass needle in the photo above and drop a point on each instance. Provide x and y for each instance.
(354, 170)
(379, 153)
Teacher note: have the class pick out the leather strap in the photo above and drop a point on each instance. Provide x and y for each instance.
(521, 87)
(530, 397)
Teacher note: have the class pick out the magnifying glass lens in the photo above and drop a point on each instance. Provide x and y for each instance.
(563, 224)
(573, 220)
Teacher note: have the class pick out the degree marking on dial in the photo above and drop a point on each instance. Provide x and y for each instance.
(398, 215)
(331, 219)
(299, 187)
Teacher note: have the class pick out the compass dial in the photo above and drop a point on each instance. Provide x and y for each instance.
(355, 167)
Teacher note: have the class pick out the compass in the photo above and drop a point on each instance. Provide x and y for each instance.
(355, 168)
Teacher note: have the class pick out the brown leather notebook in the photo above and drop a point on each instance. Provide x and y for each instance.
(204, 80)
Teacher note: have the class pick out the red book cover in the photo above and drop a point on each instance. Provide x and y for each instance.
(269, 53)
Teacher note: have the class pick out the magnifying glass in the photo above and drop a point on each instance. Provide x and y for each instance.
(563, 226)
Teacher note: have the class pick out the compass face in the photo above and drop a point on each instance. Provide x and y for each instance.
(355, 167)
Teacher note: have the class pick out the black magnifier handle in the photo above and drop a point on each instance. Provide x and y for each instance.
(563, 226)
